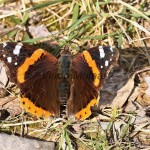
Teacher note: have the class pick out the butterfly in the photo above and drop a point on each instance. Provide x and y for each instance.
(46, 83)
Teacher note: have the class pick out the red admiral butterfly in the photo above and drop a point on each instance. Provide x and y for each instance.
(46, 83)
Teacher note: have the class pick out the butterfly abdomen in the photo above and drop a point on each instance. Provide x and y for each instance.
(64, 93)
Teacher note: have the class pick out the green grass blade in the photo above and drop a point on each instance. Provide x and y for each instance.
(25, 18)
(120, 39)
(45, 4)
(33, 40)
(75, 15)
(68, 141)
(80, 21)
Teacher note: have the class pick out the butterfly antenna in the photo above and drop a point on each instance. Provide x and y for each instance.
(66, 42)
(54, 36)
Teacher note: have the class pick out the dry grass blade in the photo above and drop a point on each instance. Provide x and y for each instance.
(135, 24)
(132, 8)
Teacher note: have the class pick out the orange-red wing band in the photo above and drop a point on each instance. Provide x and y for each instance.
(25, 102)
(93, 66)
(86, 112)
(30, 107)
(28, 61)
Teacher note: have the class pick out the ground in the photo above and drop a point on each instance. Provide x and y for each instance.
(122, 119)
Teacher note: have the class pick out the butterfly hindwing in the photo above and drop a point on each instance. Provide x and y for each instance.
(34, 71)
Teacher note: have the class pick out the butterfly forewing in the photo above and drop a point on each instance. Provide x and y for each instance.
(34, 71)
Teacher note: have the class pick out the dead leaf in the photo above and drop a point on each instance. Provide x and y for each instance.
(138, 93)
(147, 110)
(147, 80)
(115, 81)
(39, 31)
(144, 137)
(3, 75)
(140, 120)
(78, 130)
(141, 112)
(104, 125)
(144, 92)
(11, 104)
(134, 94)
(123, 94)
(130, 107)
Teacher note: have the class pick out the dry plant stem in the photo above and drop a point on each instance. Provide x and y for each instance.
(9, 100)
(100, 23)
(4, 32)
(22, 125)
(135, 24)
(14, 13)
(141, 39)
(128, 37)
(143, 70)
(139, 36)
(65, 15)
(54, 13)
(132, 8)
(84, 6)
(46, 130)
(19, 124)
(23, 4)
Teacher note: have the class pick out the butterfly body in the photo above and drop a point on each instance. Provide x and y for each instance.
(46, 82)
(64, 76)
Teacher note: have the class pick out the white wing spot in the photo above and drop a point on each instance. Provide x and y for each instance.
(16, 51)
(9, 59)
(4, 55)
(106, 63)
(15, 63)
(111, 49)
(101, 51)
(4, 44)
